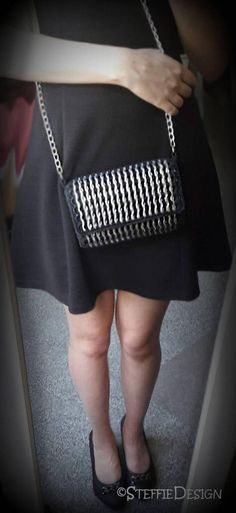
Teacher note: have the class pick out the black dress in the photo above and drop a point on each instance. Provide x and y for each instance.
(100, 127)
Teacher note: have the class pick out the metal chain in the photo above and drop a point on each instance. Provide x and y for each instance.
(169, 122)
(48, 129)
(47, 125)
(152, 25)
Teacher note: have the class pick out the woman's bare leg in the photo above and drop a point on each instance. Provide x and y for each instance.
(138, 322)
(89, 339)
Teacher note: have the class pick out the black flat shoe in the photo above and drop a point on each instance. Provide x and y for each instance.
(107, 493)
(140, 480)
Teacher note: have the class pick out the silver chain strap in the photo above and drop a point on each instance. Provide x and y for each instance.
(168, 117)
(43, 110)
(48, 129)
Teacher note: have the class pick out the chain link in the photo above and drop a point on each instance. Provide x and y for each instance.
(48, 129)
(152, 25)
(47, 125)
(169, 121)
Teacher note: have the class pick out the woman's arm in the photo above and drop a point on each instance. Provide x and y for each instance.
(146, 72)
(36, 57)
(204, 36)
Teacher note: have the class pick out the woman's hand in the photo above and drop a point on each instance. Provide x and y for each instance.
(157, 79)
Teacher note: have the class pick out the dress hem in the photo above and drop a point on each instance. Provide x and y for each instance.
(86, 307)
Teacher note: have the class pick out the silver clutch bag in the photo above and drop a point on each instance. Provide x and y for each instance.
(126, 203)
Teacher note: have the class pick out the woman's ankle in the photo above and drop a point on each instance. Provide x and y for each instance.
(132, 429)
(103, 437)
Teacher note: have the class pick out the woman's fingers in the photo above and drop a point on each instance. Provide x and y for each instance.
(188, 77)
(158, 79)
(170, 108)
(184, 90)
(177, 100)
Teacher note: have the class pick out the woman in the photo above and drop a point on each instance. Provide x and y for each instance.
(106, 90)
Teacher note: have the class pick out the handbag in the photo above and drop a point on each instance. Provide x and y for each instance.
(132, 201)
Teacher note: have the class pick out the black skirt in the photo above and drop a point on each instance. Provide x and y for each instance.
(99, 127)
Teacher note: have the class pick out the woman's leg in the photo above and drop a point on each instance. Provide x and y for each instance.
(138, 322)
(89, 339)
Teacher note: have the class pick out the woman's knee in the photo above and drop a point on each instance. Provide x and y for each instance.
(90, 332)
(93, 341)
(138, 344)
(138, 322)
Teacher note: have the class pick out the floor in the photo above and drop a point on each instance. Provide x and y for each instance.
(61, 427)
